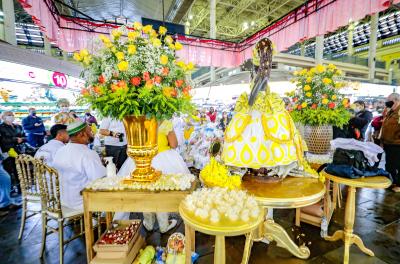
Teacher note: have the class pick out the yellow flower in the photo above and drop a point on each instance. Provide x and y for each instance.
(180, 64)
(334, 97)
(309, 79)
(108, 44)
(303, 72)
(104, 39)
(327, 81)
(120, 55)
(87, 60)
(295, 73)
(132, 35)
(84, 52)
(312, 71)
(156, 42)
(123, 66)
(345, 101)
(137, 25)
(320, 68)
(168, 40)
(338, 72)
(331, 66)
(147, 29)
(308, 94)
(178, 46)
(153, 33)
(113, 49)
(116, 33)
(190, 66)
(307, 87)
(162, 30)
(163, 59)
(325, 101)
(171, 46)
(338, 85)
(131, 49)
(304, 105)
(77, 56)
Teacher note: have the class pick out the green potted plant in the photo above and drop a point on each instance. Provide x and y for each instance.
(318, 105)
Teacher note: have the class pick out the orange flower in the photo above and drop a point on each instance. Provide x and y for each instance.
(149, 84)
(186, 91)
(331, 105)
(167, 91)
(135, 81)
(299, 107)
(102, 79)
(314, 106)
(174, 92)
(122, 84)
(146, 76)
(157, 79)
(295, 99)
(114, 87)
(97, 89)
(165, 71)
(85, 92)
(178, 83)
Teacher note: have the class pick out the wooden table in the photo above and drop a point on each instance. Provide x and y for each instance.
(127, 201)
(219, 230)
(347, 235)
(286, 194)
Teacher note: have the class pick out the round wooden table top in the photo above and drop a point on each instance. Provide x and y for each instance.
(373, 182)
(292, 192)
(222, 228)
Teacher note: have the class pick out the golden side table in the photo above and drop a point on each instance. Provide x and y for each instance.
(219, 230)
(378, 182)
(286, 194)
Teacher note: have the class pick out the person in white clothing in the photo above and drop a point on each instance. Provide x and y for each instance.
(115, 140)
(77, 165)
(60, 137)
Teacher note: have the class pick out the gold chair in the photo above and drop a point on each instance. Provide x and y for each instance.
(53, 210)
(27, 167)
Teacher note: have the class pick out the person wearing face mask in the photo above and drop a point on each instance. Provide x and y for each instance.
(77, 165)
(11, 136)
(63, 117)
(390, 138)
(360, 121)
(59, 137)
(34, 128)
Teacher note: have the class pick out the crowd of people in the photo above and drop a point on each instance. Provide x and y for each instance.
(65, 147)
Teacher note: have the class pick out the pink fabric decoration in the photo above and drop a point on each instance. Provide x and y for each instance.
(294, 27)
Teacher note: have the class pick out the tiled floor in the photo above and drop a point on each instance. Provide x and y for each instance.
(377, 222)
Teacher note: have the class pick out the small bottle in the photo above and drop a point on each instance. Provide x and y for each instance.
(324, 227)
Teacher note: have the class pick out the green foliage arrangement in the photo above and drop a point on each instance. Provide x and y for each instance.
(316, 100)
(135, 72)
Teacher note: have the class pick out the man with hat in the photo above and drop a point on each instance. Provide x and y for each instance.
(59, 137)
(77, 165)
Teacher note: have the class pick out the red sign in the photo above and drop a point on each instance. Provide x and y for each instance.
(59, 79)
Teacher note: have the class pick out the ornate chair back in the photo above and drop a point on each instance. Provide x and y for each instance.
(27, 168)
(50, 189)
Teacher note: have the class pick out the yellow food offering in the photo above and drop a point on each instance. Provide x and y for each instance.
(216, 174)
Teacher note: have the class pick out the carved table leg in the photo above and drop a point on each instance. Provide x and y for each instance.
(189, 241)
(219, 252)
(247, 248)
(273, 231)
(347, 235)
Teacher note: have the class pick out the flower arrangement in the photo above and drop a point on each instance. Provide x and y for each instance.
(221, 204)
(316, 100)
(216, 174)
(135, 72)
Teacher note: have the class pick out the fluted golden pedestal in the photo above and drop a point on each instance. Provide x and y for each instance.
(347, 235)
(220, 231)
(286, 194)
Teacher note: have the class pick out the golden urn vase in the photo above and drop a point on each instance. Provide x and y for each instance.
(141, 134)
